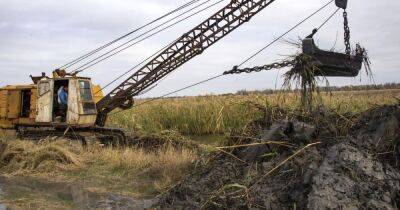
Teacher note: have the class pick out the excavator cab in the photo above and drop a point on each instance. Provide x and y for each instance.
(80, 109)
(333, 64)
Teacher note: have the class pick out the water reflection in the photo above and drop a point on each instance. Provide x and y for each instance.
(69, 195)
(212, 140)
(2, 206)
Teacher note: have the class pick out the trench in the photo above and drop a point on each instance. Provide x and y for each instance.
(212, 140)
(35, 193)
(2, 206)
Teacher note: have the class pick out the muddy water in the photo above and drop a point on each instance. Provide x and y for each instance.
(2, 206)
(41, 194)
(209, 139)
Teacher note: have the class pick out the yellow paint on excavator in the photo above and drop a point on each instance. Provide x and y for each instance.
(97, 93)
(20, 105)
(11, 105)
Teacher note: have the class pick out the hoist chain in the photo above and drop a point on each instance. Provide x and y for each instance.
(346, 33)
(276, 65)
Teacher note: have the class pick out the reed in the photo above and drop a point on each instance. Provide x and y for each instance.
(124, 170)
(205, 115)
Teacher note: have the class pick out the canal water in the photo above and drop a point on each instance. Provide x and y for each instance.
(63, 194)
(2, 206)
(212, 140)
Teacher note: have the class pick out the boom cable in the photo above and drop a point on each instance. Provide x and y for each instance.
(284, 34)
(246, 60)
(172, 92)
(137, 65)
(277, 65)
(77, 60)
(328, 19)
(125, 45)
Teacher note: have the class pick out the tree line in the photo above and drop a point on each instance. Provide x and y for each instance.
(328, 88)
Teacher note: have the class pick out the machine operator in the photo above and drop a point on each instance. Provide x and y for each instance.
(63, 102)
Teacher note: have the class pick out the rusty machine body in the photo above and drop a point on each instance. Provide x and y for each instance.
(31, 110)
(35, 105)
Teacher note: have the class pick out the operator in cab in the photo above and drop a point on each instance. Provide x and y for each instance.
(63, 102)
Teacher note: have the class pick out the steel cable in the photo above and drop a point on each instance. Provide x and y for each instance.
(284, 34)
(77, 60)
(172, 92)
(328, 19)
(276, 65)
(137, 65)
(125, 45)
(220, 75)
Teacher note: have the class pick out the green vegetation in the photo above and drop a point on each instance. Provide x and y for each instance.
(190, 116)
(205, 115)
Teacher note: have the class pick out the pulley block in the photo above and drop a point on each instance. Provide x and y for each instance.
(341, 3)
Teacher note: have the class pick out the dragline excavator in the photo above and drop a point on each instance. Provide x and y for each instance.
(33, 110)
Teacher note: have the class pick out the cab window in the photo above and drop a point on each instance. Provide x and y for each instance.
(88, 105)
(86, 91)
(44, 87)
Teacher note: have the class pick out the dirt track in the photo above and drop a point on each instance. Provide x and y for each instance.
(355, 171)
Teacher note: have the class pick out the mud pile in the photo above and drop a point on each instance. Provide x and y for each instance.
(295, 164)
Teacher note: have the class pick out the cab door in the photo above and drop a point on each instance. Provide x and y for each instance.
(45, 101)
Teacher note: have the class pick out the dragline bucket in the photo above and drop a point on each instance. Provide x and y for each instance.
(333, 64)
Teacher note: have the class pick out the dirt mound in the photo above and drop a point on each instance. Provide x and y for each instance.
(294, 164)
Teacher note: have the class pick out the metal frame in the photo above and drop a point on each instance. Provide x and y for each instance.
(188, 46)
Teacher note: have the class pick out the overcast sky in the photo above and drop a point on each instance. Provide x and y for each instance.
(39, 35)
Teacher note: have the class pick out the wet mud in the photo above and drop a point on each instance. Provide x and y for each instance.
(311, 168)
(297, 162)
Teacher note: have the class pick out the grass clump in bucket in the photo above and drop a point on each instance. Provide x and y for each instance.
(308, 72)
(303, 75)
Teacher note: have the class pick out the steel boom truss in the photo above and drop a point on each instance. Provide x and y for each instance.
(182, 50)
